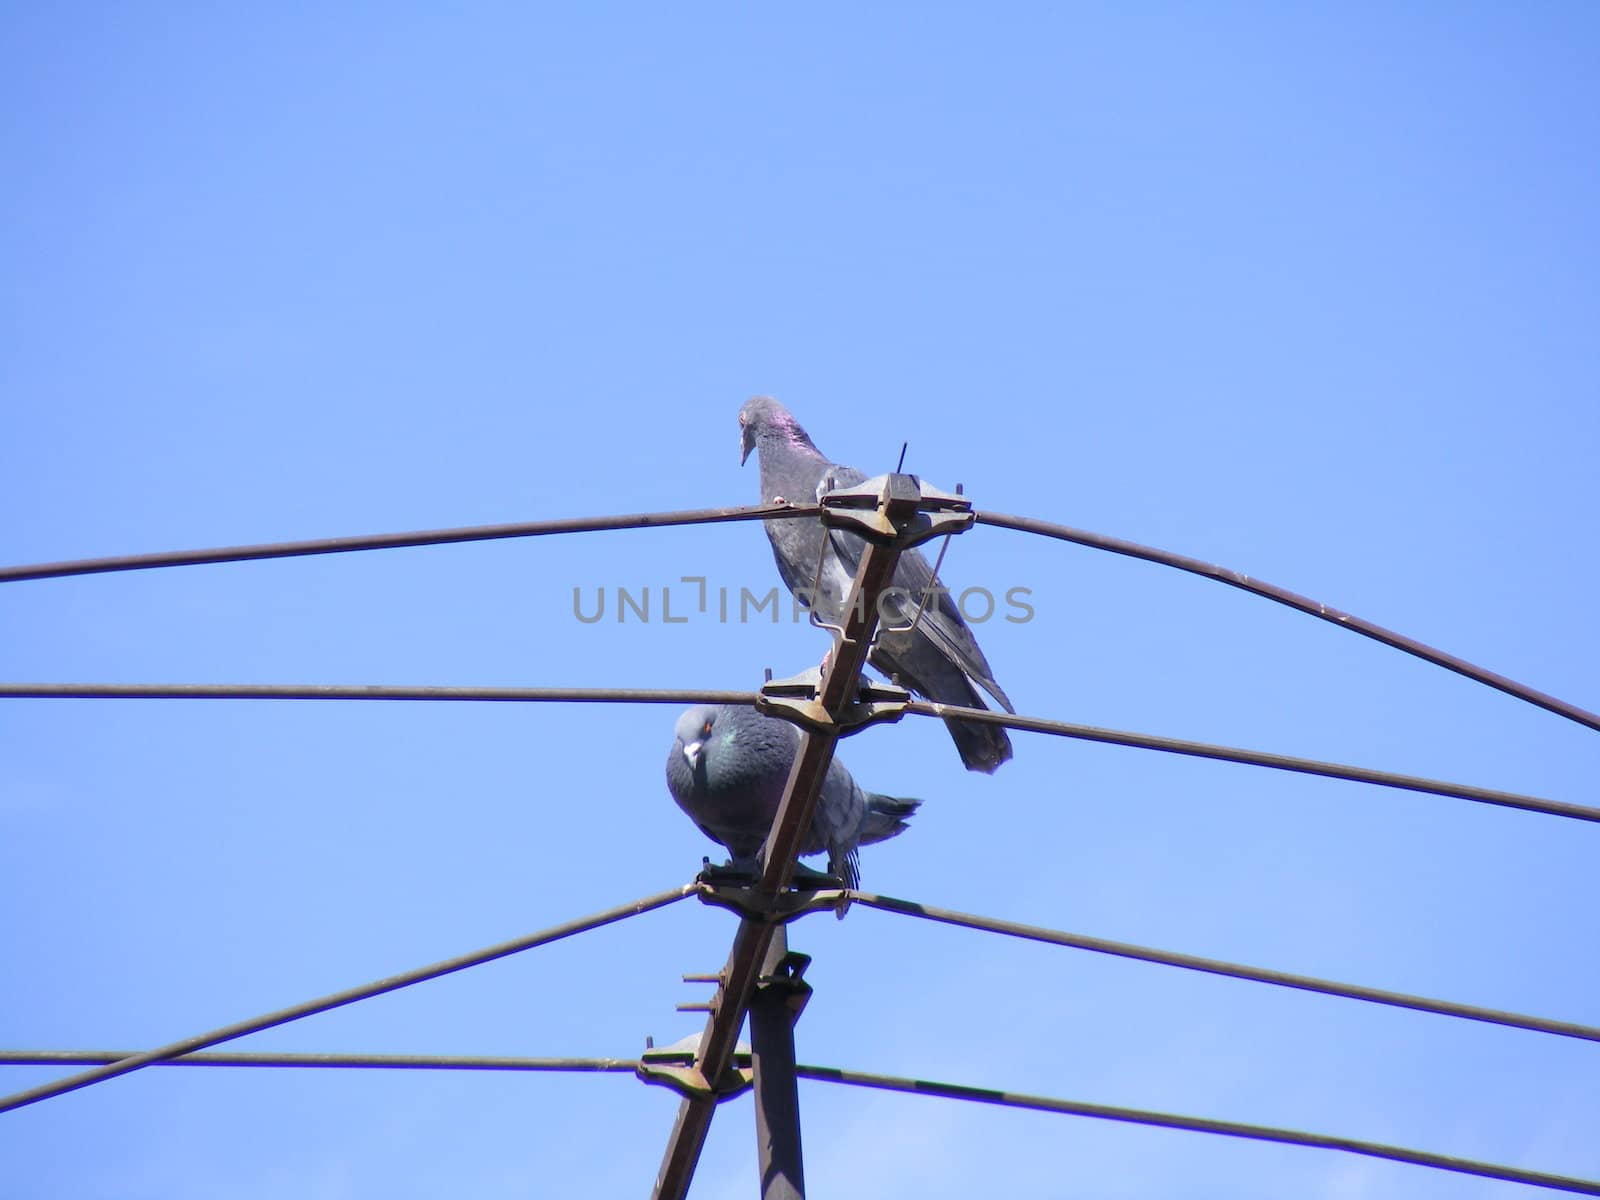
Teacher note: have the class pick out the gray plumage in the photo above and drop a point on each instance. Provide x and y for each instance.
(727, 770)
(938, 658)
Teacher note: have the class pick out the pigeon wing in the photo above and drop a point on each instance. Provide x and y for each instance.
(940, 628)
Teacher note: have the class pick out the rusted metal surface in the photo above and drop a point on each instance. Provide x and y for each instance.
(898, 500)
(780, 996)
(675, 1069)
(1305, 604)
(795, 701)
(860, 510)
(774, 910)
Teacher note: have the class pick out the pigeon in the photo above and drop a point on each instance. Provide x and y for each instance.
(934, 653)
(727, 771)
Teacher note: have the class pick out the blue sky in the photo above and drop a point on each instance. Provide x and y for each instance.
(1310, 292)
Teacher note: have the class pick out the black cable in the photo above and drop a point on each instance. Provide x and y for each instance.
(1265, 1133)
(1140, 741)
(1305, 604)
(923, 1087)
(1253, 758)
(394, 541)
(145, 1058)
(272, 691)
(1213, 966)
(1082, 537)
(398, 1062)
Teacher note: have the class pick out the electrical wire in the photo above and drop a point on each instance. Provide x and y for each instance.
(922, 1087)
(395, 541)
(396, 1062)
(1141, 741)
(1214, 966)
(1082, 537)
(1265, 1133)
(283, 1016)
(108, 1065)
(270, 691)
(1253, 758)
(1305, 604)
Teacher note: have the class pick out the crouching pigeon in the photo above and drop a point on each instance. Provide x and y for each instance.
(727, 770)
(934, 654)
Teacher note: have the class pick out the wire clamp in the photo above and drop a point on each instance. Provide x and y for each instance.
(674, 1068)
(795, 700)
(755, 905)
(896, 510)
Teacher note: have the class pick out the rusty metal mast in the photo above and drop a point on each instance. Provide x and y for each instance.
(895, 522)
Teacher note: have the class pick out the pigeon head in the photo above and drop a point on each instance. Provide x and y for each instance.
(693, 732)
(763, 417)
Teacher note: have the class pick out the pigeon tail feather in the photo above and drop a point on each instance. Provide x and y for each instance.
(886, 817)
(983, 747)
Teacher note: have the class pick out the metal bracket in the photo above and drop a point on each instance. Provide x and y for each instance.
(753, 904)
(874, 509)
(795, 700)
(786, 981)
(675, 1069)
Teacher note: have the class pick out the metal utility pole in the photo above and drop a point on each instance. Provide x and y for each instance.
(893, 513)
(780, 996)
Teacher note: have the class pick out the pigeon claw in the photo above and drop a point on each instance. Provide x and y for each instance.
(740, 874)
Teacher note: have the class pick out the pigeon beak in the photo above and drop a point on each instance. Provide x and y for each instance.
(691, 752)
(747, 443)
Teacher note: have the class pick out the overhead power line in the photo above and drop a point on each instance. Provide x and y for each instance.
(1264, 1133)
(1082, 537)
(709, 1074)
(1214, 966)
(338, 999)
(313, 691)
(1315, 608)
(396, 541)
(921, 1087)
(393, 1062)
(924, 708)
(1253, 758)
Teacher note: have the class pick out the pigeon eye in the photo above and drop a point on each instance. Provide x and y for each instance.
(705, 730)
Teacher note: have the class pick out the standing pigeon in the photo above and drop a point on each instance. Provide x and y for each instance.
(937, 656)
(727, 770)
